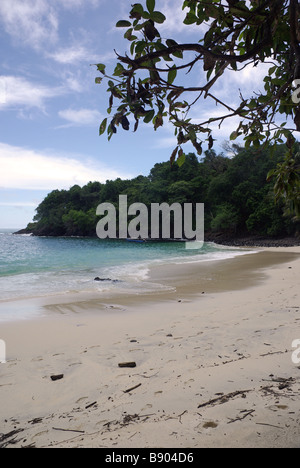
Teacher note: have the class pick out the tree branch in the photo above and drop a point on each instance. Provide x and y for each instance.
(294, 36)
(203, 51)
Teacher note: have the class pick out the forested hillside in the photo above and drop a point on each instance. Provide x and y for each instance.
(238, 199)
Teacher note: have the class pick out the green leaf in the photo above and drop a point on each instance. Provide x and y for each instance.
(158, 17)
(234, 136)
(149, 116)
(178, 54)
(140, 46)
(172, 75)
(146, 15)
(171, 43)
(103, 127)
(123, 24)
(128, 35)
(272, 70)
(101, 68)
(137, 11)
(191, 18)
(278, 81)
(150, 5)
(119, 70)
(181, 158)
(98, 80)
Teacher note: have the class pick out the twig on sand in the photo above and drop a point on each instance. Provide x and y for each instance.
(91, 405)
(225, 398)
(132, 388)
(273, 353)
(247, 413)
(67, 430)
(180, 415)
(270, 425)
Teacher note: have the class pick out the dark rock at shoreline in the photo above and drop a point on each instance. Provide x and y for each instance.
(252, 241)
(22, 231)
(230, 240)
(107, 279)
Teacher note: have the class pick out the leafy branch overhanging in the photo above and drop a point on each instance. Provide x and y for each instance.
(149, 84)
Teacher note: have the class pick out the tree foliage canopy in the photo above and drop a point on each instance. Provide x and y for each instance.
(238, 199)
(149, 84)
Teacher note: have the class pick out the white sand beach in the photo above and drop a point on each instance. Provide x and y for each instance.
(213, 363)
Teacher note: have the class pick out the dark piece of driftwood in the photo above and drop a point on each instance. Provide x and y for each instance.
(225, 398)
(10, 438)
(54, 378)
(133, 388)
(127, 364)
(91, 405)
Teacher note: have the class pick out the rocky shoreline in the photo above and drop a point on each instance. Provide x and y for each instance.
(230, 240)
(253, 241)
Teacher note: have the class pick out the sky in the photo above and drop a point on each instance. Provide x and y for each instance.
(51, 108)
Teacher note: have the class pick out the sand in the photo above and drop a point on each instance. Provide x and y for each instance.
(213, 363)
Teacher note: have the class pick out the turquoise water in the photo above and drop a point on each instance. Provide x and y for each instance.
(36, 267)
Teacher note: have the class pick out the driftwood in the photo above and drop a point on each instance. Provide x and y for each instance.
(91, 405)
(133, 388)
(10, 438)
(127, 364)
(224, 398)
(67, 430)
(54, 378)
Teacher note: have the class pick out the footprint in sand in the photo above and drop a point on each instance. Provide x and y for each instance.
(189, 381)
(81, 400)
(39, 434)
(148, 406)
(210, 425)
(275, 408)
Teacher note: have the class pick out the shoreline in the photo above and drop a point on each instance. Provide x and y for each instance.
(221, 239)
(227, 351)
(172, 282)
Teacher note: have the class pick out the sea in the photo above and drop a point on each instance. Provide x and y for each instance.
(33, 267)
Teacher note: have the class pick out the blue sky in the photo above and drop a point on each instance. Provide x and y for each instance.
(51, 108)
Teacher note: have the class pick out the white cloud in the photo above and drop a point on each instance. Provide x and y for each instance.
(33, 22)
(71, 55)
(78, 53)
(36, 22)
(73, 83)
(175, 16)
(246, 81)
(80, 117)
(71, 4)
(28, 169)
(17, 91)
